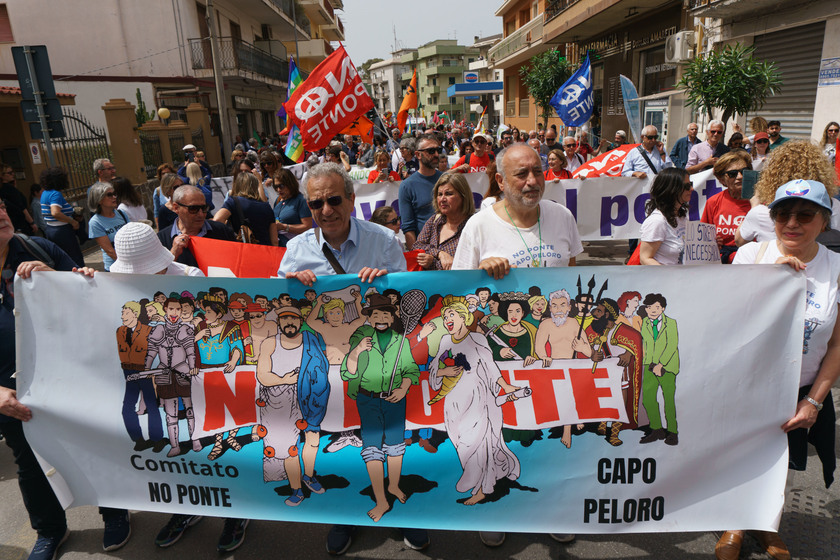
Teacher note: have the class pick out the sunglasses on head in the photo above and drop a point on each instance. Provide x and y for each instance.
(431, 151)
(732, 173)
(803, 217)
(318, 203)
(194, 208)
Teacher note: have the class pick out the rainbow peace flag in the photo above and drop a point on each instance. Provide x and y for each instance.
(294, 144)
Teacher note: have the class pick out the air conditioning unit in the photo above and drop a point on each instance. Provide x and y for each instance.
(679, 48)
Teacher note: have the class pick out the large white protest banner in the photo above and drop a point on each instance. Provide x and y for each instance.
(604, 207)
(583, 421)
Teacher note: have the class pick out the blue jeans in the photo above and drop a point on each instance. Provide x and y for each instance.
(383, 424)
(133, 389)
(65, 237)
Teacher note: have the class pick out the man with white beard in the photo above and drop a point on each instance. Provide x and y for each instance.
(559, 333)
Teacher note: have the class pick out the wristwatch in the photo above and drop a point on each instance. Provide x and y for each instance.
(817, 405)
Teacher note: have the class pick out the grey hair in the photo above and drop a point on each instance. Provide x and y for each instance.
(621, 133)
(96, 194)
(560, 294)
(650, 126)
(408, 143)
(184, 190)
(500, 157)
(99, 164)
(329, 169)
(715, 122)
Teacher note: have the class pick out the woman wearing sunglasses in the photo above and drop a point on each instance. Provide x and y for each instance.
(290, 210)
(759, 150)
(726, 209)
(829, 140)
(800, 211)
(106, 220)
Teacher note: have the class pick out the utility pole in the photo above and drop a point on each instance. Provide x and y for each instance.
(221, 99)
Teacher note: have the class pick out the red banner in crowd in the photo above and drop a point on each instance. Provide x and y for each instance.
(605, 165)
(227, 258)
(330, 99)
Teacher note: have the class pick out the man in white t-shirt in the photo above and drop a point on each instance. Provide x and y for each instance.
(521, 230)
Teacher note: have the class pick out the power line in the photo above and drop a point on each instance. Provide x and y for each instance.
(118, 64)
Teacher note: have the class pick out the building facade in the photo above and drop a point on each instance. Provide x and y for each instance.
(384, 82)
(161, 49)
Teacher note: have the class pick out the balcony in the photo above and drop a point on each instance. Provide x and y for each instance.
(333, 31)
(277, 13)
(728, 9)
(337, 4)
(435, 70)
(584, 19)
(314, 50)
(520, 41)
(317, 12)
(238, 59)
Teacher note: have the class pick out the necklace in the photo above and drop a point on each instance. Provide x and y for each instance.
(536, 262)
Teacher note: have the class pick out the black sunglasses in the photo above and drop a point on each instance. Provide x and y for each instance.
(732, 173)
(652, 137)
(783, 216)
(762, 141)
(431, 151)
(318, 203)
(393, 222)
(193, 209)
(688, 186)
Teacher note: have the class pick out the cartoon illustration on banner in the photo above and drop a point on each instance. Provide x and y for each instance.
(374, 373)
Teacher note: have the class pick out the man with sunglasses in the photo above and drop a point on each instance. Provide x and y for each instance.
(341, 243)
(477, 161)
(705, 154)
(191, 208)
(550, 142)
(415, 194)
(649, 157)
(573, 159)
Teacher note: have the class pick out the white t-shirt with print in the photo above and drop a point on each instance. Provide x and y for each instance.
(821, 313)
(487, 235)
(656, 228)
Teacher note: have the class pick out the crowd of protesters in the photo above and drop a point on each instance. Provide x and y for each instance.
(791, 211)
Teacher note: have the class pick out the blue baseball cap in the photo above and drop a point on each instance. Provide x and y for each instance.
(801, 189)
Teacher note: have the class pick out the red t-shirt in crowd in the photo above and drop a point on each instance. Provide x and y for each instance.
(477, 163)
(373, 175)
(726, 214)
(550, 175)
(585, 150)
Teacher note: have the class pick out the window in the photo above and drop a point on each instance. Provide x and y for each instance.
(451, 81)
(6, 35)
(434, 81)
(535, 10)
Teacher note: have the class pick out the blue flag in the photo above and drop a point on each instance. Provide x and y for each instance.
(632, 107)
(574, 101)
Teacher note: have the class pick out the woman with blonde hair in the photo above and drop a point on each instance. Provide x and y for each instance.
(243, 207)
(557, 163)
(453, 204)
(165, 214)
(828, 142)
(468, 380)
(795, 159)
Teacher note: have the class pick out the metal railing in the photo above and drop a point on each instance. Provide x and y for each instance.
(519, 39)
(77, 149)
(235, 55)
(524, 105)
(301, 20)
(553, 8)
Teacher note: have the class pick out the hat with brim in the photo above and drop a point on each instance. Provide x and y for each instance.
(236, 304)
(288, 311)
(189, 147)
(761, 136)
(254, 308)
(379, 302)
(801, 189)
(139, 251)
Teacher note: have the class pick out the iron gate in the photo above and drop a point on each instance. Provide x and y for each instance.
(76, 152)
(152, 156)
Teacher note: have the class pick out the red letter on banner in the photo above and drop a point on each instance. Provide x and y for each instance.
(218, 397)
(541, 383)
(587, 394)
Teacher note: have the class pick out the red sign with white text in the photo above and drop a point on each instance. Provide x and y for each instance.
(330, 99)
(605, 165)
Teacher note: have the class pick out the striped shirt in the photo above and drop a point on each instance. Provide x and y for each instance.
(54, 198)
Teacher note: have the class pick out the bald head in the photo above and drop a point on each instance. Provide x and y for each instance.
(534, 143)
(514, 152)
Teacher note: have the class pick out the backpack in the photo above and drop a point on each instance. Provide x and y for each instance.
(242, 226)
(35, 250)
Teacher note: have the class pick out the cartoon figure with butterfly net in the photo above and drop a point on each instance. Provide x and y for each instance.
(380, 370)
(465, 374)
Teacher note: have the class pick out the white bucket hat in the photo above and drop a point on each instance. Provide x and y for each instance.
(139, 251)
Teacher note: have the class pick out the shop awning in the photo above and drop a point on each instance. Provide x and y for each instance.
(477, 88)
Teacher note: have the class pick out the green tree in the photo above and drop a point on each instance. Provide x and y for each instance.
(364, 69)
(730, 80)
(543, 76)
(140, 112)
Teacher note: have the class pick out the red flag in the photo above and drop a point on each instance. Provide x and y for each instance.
(361, 127)
(408, 102)
(605, 165)
(328, 101)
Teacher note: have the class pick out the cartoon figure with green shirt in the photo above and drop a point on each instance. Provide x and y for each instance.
(379, 370)
(662, 361)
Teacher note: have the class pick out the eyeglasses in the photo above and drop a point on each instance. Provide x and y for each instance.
(688, 186)
(111, 193)
(479, 140)
(194, 208)
(732, 173)
(762, 141)
(431, 151)
(318, 203)
(784, 216)
(715, 132)
(834, 130)
(570, 145)
(393, 222)
(652, 137)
